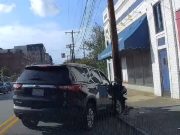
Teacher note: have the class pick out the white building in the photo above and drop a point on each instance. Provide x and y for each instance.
(148, 32)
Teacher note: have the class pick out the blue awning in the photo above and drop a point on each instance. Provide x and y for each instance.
(133, 37)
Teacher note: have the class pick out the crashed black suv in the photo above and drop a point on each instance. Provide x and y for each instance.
(60, 93)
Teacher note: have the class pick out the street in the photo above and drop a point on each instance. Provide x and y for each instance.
(10, 125)
(108, 126)
(6, 106)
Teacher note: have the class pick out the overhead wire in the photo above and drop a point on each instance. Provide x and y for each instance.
(89, 16)
(88, 22)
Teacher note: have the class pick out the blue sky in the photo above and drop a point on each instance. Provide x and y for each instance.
(43, 21)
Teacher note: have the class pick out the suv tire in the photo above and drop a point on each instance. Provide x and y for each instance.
(30, 123)
(89, 117)
(119, 107)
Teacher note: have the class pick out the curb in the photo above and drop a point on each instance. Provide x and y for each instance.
(132, 126)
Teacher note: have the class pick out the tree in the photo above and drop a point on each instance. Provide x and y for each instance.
(94, 46)
(4, 71)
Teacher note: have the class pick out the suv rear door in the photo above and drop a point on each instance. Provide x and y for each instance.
(39, 87)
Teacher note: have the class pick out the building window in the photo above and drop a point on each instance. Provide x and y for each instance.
(158, 17)
(110, 71)
(107, 43)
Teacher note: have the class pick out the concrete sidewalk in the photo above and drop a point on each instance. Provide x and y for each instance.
(153, 115)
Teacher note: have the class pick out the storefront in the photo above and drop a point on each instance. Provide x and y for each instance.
(148, 34)
(134, 47)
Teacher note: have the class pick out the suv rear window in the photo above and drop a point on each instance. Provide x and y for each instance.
(45, 75)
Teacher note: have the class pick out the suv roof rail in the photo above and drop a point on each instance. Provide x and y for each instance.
(40, 65)
(75, 64)
(66, 64)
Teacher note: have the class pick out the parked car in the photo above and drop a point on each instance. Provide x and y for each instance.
(8, 86)
(3, 89)
(64, 92)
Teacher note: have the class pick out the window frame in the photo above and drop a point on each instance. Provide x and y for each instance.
(157, 22)
(91, 75)
(75, 77)
(104, 77)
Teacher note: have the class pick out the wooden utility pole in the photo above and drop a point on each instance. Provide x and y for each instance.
(114, 40)
(70, 51)
(73, 44)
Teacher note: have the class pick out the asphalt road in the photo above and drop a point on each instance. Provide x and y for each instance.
(10, 125)
(105, 126)
(6, 106)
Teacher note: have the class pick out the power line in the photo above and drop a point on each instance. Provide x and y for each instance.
(84, 18)
(88, 21)
(97, 9)
(84, 12)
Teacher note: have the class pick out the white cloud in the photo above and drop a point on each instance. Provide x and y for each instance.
(44, 8)
(5, 8)
(54, 40)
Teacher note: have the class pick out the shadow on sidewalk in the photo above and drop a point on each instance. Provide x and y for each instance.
(106, 125)
(155, 120)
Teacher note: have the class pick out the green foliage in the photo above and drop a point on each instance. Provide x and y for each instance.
(4, 71)
(14, 77)
(94, 46)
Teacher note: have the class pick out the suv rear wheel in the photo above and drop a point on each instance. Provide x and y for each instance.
(30, 123)
(89, 116)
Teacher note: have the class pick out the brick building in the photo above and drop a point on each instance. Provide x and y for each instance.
(20, 56)
(14, 61)
(48, 59)
(35, 52)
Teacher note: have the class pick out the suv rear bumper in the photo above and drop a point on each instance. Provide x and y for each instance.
(48, 114)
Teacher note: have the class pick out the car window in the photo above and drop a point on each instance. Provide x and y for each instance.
(45, 76)
(80, 74)
(94, 76)
(104, 79)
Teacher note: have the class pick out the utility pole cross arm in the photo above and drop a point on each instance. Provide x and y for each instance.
(73, 44)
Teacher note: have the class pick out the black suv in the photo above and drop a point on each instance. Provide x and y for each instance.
(65, 92)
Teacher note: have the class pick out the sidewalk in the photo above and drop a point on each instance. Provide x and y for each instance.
(153, 115)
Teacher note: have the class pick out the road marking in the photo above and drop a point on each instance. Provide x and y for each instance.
(4, 130)
(7, 121)
(8, 124)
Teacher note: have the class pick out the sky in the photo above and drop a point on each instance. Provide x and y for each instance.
(44, 21)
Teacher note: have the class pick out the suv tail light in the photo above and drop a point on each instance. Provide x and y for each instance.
(73, 88)
(17, 86)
